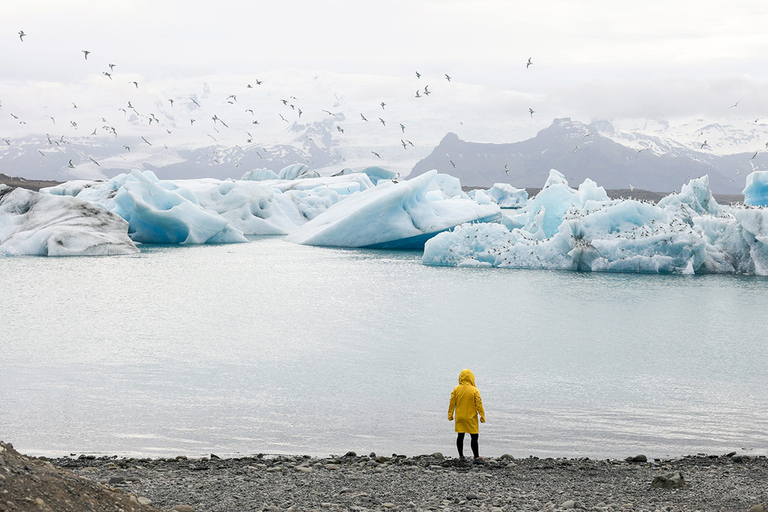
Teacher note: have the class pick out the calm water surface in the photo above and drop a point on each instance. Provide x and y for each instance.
(278, 348)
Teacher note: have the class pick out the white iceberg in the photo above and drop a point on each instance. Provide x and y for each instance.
(756, 191)
(210, 210)
(395, 215)
(503, 194)
(259, 175)
(38, 224)
(685, 233)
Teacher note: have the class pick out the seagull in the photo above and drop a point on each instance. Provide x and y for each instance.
(170, 100)
(74, 106)
(383, 122)
(447, 77)
(738, 172)
(735, 105)
(254, 122)
(426, 90)
(249, 110)
(704, 144)
(112, 67)
(193, 100)
(529, 63)
(108, 75)
(405, 146)
(71, 165)
(452, 163)
(417, 94)
(21, 35)
(375, 153)
(285, 102)
(232, 96)
(382, 105)
(402, 127)
(576, 148)
(130, 106)
(94, 161)
(211, 136)
(41, 152)
(631, 188)
(639, 151)
(93, 132)
(299, 111)
(506, 169)
(127, 147)
(364, 118)
(418, 75)
(531, 111)
(191, 121)
(7, 141)
(85, 53)
(250, 137)
(339, 128)
(136, 84)
(145, 140)
(74, 124)
(284, 119)
(753, 156)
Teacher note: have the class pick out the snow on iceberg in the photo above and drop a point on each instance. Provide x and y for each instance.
(685, 233)
(38, 224)
(756, 191)
(395, 215)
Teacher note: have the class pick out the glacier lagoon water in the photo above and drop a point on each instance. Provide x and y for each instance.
(271, 347)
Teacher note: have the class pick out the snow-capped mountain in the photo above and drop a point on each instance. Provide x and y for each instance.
(658, 158)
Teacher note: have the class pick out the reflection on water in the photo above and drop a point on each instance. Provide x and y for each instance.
(278, 348)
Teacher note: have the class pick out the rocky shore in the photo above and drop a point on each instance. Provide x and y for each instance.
(391, 483)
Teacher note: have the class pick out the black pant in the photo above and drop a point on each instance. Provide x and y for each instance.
(472, 443)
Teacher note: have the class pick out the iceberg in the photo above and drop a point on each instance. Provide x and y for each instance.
(38, 224)
(395, 215)
(210, 210)
(503, 194)
(583, 230)
(756, 191)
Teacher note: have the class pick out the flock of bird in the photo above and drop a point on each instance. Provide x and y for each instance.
(216, 124)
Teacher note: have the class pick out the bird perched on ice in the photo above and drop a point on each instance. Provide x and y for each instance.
(529, 63)
(21, 35)
(85, 53)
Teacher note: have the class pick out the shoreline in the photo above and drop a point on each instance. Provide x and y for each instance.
(431, 482)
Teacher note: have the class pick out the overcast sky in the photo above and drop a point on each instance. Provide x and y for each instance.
(593, 58)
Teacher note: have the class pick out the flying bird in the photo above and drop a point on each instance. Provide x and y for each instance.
(753, 156)
(94, 161)
(364, 118)
(71, 165)
(21, 35)
(170, 100)
(506, 169)
(127, 147)
(417, 94)
(145, 140)
(447, 77)
(375, 153)
(402, 127)
(194, 101)
(452, 163)
(382, 105)
(405, 146)
(418, 75)
(703, 144)
(85, 53)
(339, 128)
(108, 75)
(529, 63)
(112, 67)
(531, 111)
(383, 122)
(426, 90)
(735, 104)
(137, 85)
(249, 110)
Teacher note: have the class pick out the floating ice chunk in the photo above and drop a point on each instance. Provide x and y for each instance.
(295, 171)
(259, 175)
(267, 207)
(685, 233)
(449, 186)
(38, 224)
(507, 196)
(391, 215)
(756, 191)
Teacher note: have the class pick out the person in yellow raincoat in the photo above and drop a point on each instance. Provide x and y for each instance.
(467, 405)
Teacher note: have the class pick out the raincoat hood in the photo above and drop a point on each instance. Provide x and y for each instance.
(467, 377)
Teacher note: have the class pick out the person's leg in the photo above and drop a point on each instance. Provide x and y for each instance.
(474, 445)
(460, 444)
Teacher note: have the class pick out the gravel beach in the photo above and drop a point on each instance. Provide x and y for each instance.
(429, 482)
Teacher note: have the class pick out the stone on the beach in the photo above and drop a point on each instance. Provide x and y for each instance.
(673, 480)
(637, 458)
(472, 496)
(438, 455)
(182, 508)
(569, 505)
(757, 508)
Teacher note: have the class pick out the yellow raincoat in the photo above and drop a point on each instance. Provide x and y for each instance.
(466, 402)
